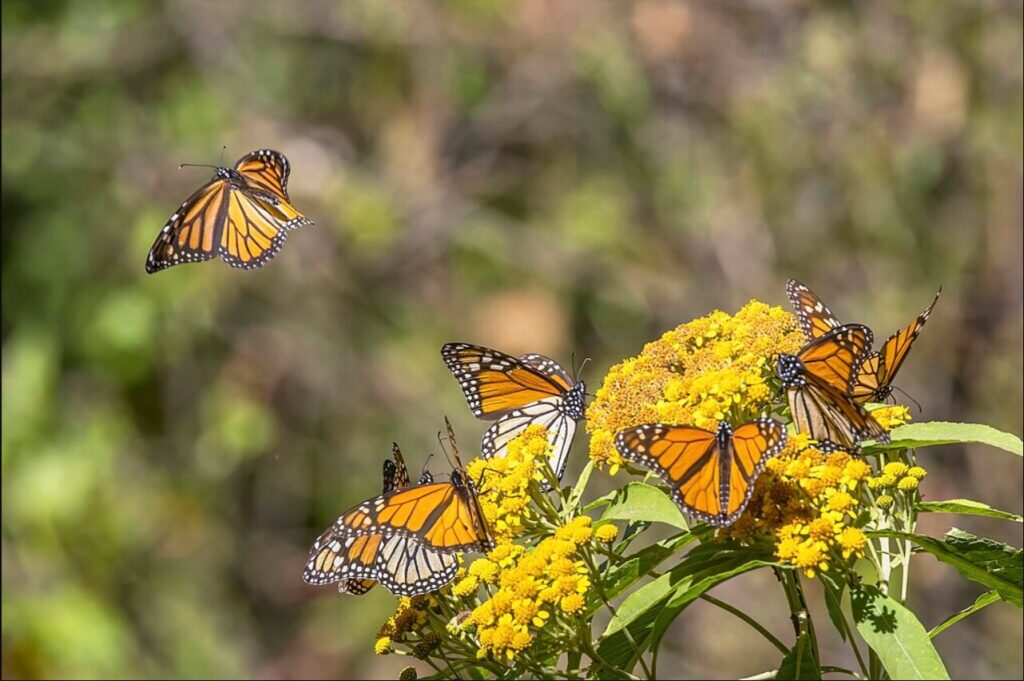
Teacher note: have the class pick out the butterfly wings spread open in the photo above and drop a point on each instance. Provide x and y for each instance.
(191, 234)
(709, 477)
(266, 174)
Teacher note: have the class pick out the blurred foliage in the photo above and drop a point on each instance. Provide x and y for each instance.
(562, 177)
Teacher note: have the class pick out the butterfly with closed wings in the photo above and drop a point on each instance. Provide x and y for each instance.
(405, 539)
(710, 475)
(242, 215)
(516, 394)
(816, 380)
(872, 378)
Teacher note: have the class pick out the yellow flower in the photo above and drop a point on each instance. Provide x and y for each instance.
(606, 534)
(811, 557)
(896, 469)
(882, 481)
(382, 646)
(917, 472)
(700, 372)
(891, 416)
(484, 570)
(908, 484)
(884, 501)
(573, 603)
(841, 502)
(852, 541)
(823, 529)
(855, 471)
(466, 587)
(504, 482)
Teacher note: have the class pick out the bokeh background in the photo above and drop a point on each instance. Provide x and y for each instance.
(568, 177)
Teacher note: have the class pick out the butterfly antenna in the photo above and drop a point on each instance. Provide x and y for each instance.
(223, 148)
(586, 360)
(195, 165)
(910, 397)
(440, 441)
(451, 441)
(425, 462)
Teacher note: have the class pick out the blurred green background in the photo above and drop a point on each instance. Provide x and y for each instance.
(560, 177)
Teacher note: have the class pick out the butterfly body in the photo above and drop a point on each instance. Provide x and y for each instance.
(710, 475)
(516, 393)
(242, 215)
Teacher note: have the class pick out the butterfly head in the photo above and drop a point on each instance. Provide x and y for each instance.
(575, 407)
(791, 371)
(723, 434)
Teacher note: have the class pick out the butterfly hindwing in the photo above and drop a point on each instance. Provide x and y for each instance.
(834, 357)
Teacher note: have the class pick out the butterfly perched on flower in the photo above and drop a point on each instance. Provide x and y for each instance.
(516, 394)
(711, 475)
(405, 539)
(872, 378)
(816, 381)
(242, 215)
(396, 476)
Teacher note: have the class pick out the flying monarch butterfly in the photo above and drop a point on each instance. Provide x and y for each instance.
(243, 215)
(517, 393)
(872, 379)
(405, 539)
(396, 476)
(711, 474)
(816, 380)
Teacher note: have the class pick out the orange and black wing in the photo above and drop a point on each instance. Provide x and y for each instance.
(266, 174)
(876, 372)
(495, 383)
(753, 443)
(252, 233)
(815, 318)
(831, 417)
(686, 458)
(193, 233)
(833, 358)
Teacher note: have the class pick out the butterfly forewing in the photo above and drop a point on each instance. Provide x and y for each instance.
(834, 357)
(814, 316)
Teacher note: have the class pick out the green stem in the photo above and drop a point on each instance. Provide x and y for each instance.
(749, 620)
(595, 578)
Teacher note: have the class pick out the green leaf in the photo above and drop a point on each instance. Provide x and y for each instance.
(985, 599)
(990, 563)
(966, 507)
(639, 602)
(637, 501)
(620, 577)
(799, 663)
(945, 432)
(896, 636)
(834, 603)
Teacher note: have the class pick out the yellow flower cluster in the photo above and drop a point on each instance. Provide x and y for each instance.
(504, 482)
(532, 586)
(713, 368)
(896, 475)
(808, 502)
(410, 616)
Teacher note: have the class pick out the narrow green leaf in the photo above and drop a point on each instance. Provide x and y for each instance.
(985, 599)
(967, 507)
(834, 603)
(896, 636)
(576, 494)
(620, 577)
(945, 432)
(637, 501)
(799, 663)
(616, 648)
(990, 563)
(639, 602)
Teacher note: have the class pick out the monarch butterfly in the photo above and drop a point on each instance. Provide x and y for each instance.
(405, 539)
(243, 215)
(396, 476)
(873, 376)
(816, 380)
(517, 393)
(711, 474)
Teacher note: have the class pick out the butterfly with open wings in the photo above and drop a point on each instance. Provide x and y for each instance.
(242, 215)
